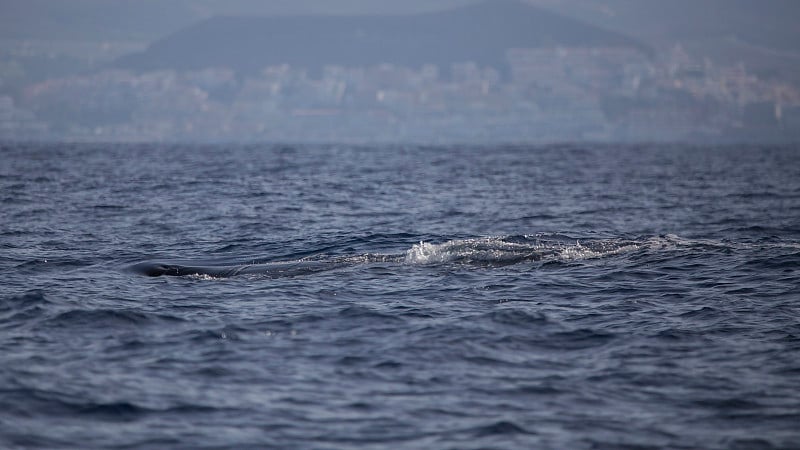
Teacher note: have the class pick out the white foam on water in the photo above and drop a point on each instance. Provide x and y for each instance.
(674, 242)
(426, 253)
(497, 250)
(581, 252)
(204, 277)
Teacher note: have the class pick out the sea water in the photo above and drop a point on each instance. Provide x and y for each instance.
(340, 296)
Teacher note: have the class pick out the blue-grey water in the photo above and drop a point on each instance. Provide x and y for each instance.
(263, 296)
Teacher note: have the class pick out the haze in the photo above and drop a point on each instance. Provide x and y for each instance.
(734, 65)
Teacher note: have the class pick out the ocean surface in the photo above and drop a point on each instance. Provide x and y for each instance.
(336, 296)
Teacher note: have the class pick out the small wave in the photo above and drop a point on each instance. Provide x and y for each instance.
(516, 317)
(503, 427)
(27, 300)
(31, 401)
(578, 339)
(357, 312)
(108, 317)
(18, 310)
(112, 411)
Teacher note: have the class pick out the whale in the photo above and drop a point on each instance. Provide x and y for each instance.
(275, 269)
(477, 252)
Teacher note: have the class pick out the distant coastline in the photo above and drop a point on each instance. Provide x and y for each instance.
(494, 71)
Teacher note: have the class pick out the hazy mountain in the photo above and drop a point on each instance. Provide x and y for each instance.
(768, 23)
(761, 34)
(148, 20)
(479, 32)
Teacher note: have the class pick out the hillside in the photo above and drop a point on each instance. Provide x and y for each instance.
(480, 32)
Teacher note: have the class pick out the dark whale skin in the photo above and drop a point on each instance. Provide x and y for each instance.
(276, 269)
